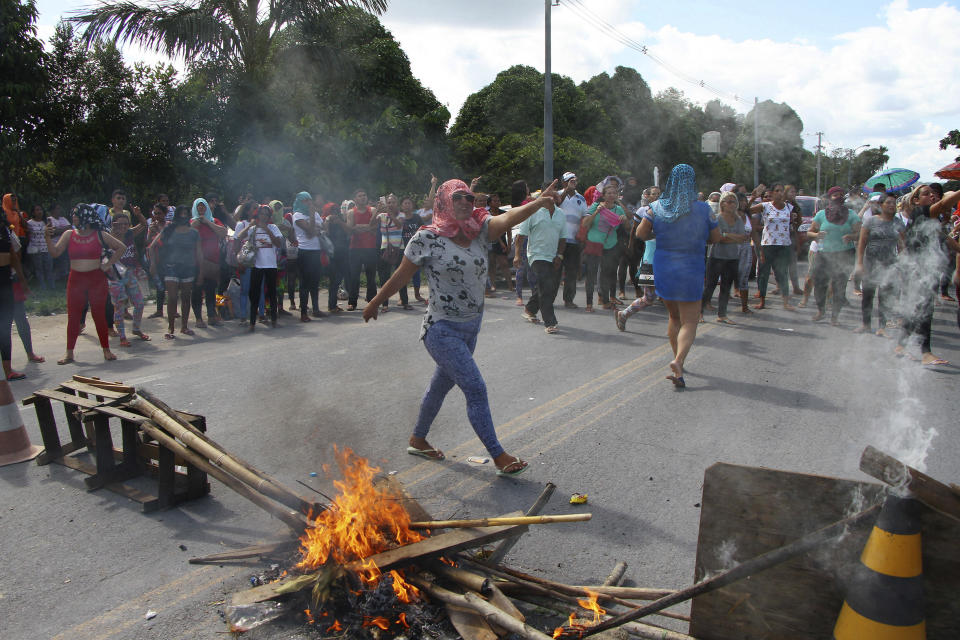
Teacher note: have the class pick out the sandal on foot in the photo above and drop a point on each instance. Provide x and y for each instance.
(35, 358)
(304, 317)
(16, 375)
(109, 357)
(429, 454)
(514, 468)
(200, 325)
(169, 336)
(939, 362)
(620, 320)
(124, 342)
(65, 360)
(552, 330)
(187, 332)
(677, 381)
(725, 320)
(142, 336)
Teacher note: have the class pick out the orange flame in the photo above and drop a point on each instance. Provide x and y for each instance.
(591, 605)
(402, 620)
(309, 615)
(404, 591)
(362, 521)
(335, 626)
(573, 627)
(381, 622)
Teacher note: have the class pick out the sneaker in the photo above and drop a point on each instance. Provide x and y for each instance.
(529, 317)
(620, 320)
(552, 330)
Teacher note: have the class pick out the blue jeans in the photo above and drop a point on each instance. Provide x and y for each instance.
(451, 346)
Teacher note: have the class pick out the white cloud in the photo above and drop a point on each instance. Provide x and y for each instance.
(888, 84)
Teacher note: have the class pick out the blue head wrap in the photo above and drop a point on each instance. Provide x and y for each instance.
(678, 196)
(300, 203)
(208, 214)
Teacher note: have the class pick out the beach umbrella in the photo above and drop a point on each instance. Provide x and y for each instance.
(892, 179)
(949, 172)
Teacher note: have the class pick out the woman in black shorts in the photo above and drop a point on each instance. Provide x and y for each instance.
(179, 249)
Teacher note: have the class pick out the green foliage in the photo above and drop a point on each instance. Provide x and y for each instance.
(952, 139)
(23, 86)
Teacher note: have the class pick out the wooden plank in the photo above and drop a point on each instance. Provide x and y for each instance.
(469, 624)
(95, 391)
(48, 430)
(87, 405)
(445, 543)
(104, 454)
(932, 493)
(748, 511)
(255, 551)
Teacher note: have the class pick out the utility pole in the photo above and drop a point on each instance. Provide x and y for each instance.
(756, 142)
(819, 148)
(547, 100)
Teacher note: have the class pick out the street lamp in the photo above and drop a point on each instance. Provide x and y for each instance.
(850, 162)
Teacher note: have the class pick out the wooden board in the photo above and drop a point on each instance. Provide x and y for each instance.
(469, 624)
(749, 510)
(445, 543)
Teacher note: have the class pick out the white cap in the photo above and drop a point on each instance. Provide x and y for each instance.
(566, 177)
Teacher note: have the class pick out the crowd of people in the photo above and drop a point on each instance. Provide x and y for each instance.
(676, 245)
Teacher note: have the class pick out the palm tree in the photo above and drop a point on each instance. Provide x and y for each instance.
(240, 33)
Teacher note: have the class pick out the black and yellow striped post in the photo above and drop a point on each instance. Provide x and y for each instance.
(885, 594)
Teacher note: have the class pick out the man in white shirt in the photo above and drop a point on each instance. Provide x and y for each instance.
(573, 206)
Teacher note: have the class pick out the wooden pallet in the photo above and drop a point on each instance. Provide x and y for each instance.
(91, 409)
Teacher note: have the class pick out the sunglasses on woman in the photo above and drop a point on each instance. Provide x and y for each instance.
(469, 197)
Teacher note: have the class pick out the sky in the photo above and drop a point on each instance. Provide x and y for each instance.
(862, 72)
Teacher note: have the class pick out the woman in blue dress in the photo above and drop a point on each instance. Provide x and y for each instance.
(682, 227)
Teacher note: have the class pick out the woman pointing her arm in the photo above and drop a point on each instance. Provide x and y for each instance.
(452, 251)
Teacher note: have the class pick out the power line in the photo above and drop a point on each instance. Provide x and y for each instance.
(612, 32)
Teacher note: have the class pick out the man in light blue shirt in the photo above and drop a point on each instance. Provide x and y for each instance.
(574, 207)
(544, 231)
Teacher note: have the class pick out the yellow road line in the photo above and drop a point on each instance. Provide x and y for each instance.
(427, 470)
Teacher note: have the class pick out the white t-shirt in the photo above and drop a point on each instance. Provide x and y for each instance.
(426, 215)
(266, 251)
(38, 243)
(304, 241)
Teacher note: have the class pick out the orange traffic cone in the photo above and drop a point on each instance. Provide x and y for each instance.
(14, 442)
(885, 594)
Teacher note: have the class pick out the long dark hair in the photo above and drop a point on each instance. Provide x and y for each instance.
(518, 193)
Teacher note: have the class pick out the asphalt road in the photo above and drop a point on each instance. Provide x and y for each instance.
(589, 408)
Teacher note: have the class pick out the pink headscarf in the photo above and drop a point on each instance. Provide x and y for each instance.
(444, 223)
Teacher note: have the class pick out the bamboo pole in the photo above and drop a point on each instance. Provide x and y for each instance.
(748, 568)
(627, 593)
(491, 613)
(292, 519)
(584, 592)
(648, 631)
(500, 522)
(305, 506)
(195, 441)
(504, 547)
(616, 575)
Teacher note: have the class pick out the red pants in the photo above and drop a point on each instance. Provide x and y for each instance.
(84, 287)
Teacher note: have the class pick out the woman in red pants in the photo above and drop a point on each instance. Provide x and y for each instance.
(87, 282)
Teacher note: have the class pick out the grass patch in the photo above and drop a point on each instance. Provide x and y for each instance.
(46, 302)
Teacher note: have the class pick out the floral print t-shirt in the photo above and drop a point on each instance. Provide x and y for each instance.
(456, 275)
(776, 225)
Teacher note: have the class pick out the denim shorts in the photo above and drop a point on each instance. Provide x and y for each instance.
(184, 273)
